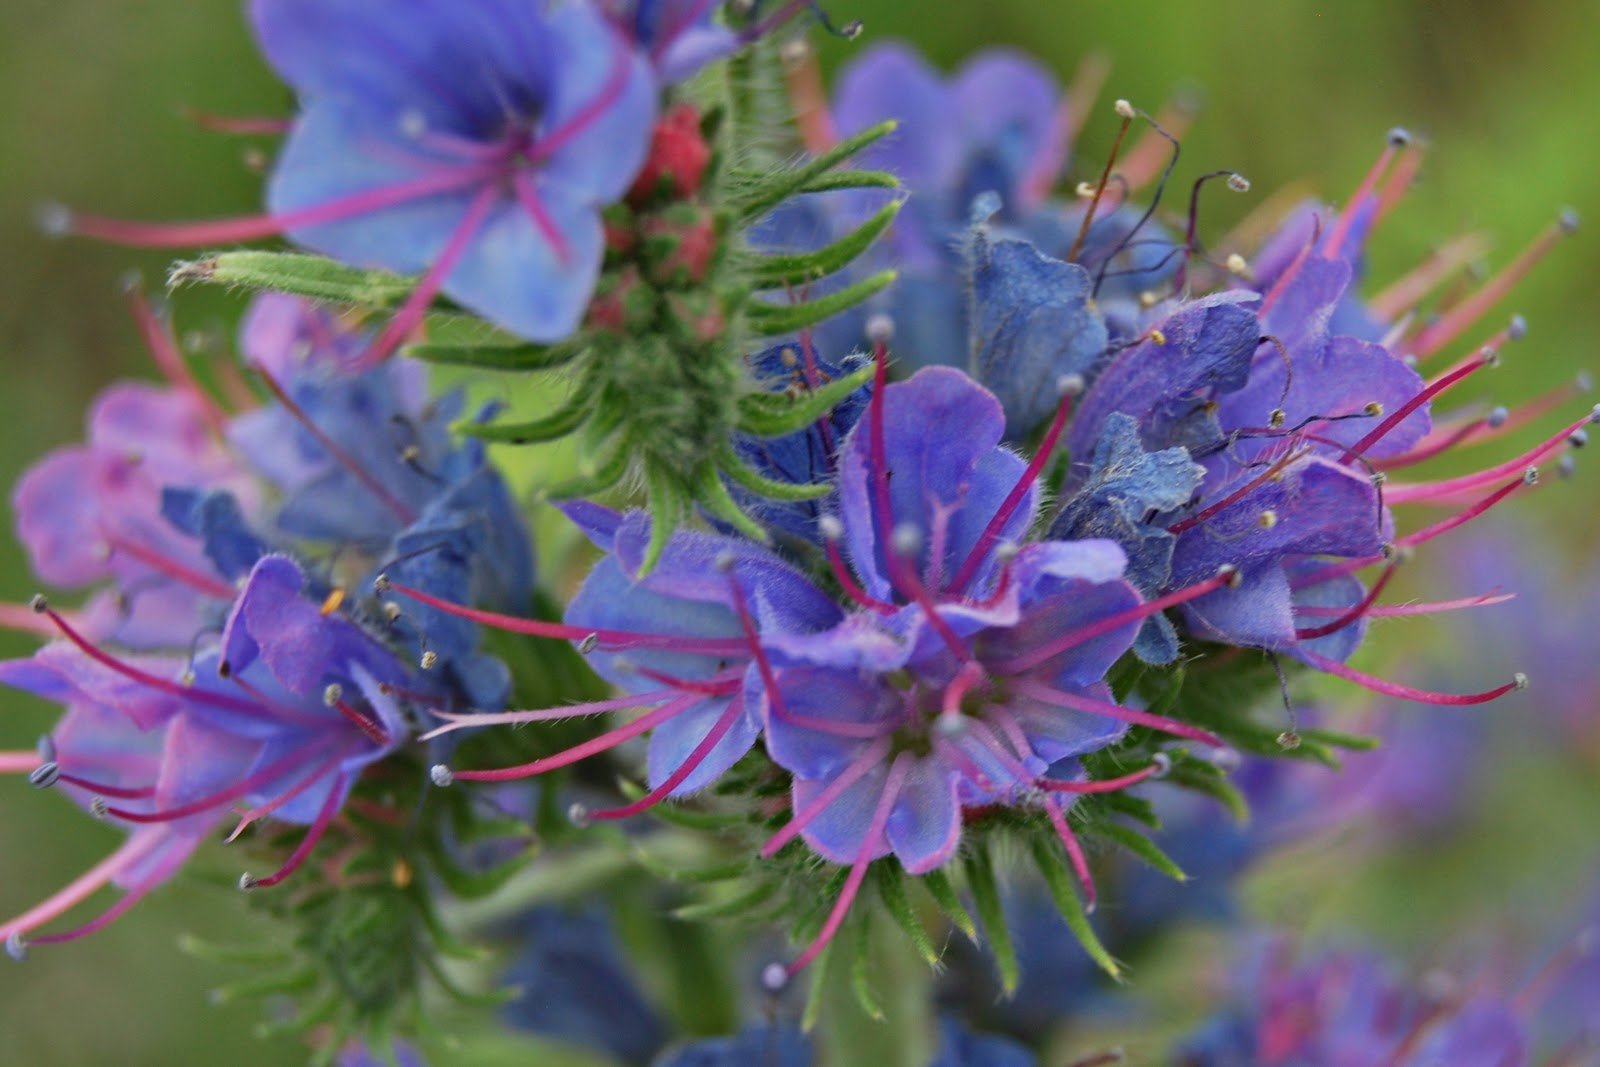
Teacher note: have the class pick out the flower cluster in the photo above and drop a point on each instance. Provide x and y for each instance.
(861, 617)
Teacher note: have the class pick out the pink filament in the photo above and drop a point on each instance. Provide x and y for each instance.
(1459, 318)
(868, 758)
(330, 808)
(713, 737)
(171, 568)
(1395, 689)
(1433, 389)
(607, 740)
(1404, 293)
(1361, 608)
(19, 762)
(1347, 217)
(1398, 493)
(1093, 706)
(1080, 863)
(164, 350)
(1103, 785)
(130, 853)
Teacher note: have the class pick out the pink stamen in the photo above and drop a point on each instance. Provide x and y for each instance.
(1408, 291)
(274, 770)
(130, 853)
(471, 720)
(717, 685)
(1404, 692)
(104, 790)
(528, 197)
(1442, 440)
(858, 870)
(163, 348)
(969, 677)
(1424, 607)
(878, 455)
(713, 737)
(1267, 475)
(1347, 217)
(165, 565)
(848, 583)
(868, 758)
(1351, 615)
(1104, 785)
(1293, 270)
(1013, 500)
(1399, 183)
(610, 92)
(330, 808)
(1400, 493)
(261, 811)
(1080, 862)
(691, 15)
(1455, 321)
(256, 227)
(607, 740)
(19, 762)
(617, 638)
(1433, 389)
(808, 102)
(334, 449)
(1073, 638)
(919, 594)
(1079, 702)
(100, 922)
(22, 618)
(411, 313)
(374, 731)
(234, 124)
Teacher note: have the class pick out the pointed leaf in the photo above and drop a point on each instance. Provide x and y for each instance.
(986, 895)
(1053, 867)
(774, 320)
(800, 268)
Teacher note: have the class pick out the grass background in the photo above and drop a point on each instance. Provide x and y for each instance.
(90, 99)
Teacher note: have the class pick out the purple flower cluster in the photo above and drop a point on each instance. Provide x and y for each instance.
(222, 666)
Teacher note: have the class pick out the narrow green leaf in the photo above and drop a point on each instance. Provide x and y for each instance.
(861, 973)
(559, 423)
(944, 894)
(774, 415)
(691, 875)
(267, 985)
(892, 890)
(1214, 786)
(986, 895)
(760, 484)
(772, 320)
(713, 495)
(850, 179)
(1340, 739)
(496, 357)
(295, 272)
(667, 505)
(1053, 867)
(732, 906)
(817, 988)
(1141, 846)
(768, 194)
(801, 268)
(594, 478)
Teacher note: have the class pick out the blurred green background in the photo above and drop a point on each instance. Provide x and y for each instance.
(91, 93)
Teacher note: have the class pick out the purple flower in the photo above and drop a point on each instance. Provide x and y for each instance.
(772, 1045)
(678, 35)
(280, 717)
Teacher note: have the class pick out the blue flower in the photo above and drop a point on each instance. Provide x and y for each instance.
(772, 1045)
(678, 35)
(475, 140)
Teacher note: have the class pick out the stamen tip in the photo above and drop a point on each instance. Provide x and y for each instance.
(589, 643)
(1584, 381)
(98, 808)
(1238, 183)
(1519, 680)
(1497, 417)
(429, 660)
(1530, 476)
(1124, 109)
(880, 328)
(725, 562)
(1568, 220)
(381, 583)
(1289, 740)
(1517, 329)
(830, 528)
(45, 775)
(441, 775)
(774, 977)
(1070, 385)
(332, 694)
(578, 814)
(1578, 438)
(906, 539)
(53, 218)
(1162, 764)
(1231, 576)
(38, 604)
(247, 882)
(1399, 137)
(16, 946)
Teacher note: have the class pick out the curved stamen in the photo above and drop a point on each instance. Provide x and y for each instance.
(104, 790)
(1398, 139)
(168, 567)
(1080, 862)
(528, 197)
(610, 92)
(868, 758)
(1124, 109)
(471, 720)
(1405, 692)
(609, 739)
(274, 770)
(130, 853)
(858, 870)
(261, 811)
(1361, 608)
(163, 348)
(701, 751)
(1407, 291)
(1400, 493)
(1104, 785)
(247, 126)
(1267, 475)
(20, 762)
(1433, 389)
(302, 851)
(1079, 702)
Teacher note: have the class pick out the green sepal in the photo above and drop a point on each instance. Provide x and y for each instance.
(817, 988)
(470, 885)
(1205, 778)
(775, 320)
(596, 479)
(518, 358)
(801, 268)
(211, 952)
(267, 985)
(861, 973)
(690, 875)
(944, 894)
(559, 423)
(986, 895)
(1054, 870)
(487, 998)
(1340, 739)
(322, 1012)
(1141, 846)
(296, 272)
(850, 179)
(892, 891)
(667, 506)
(734, 906)
(713, 495)
(768, 192)
(775, 415)
(761, 485)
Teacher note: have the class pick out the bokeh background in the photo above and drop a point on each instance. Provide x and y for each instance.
(91, 101)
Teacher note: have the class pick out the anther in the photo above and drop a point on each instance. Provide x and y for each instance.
(1070, 385)
(380, 584)
(1520, 680)
(1497, 417)
(38, 604)
(1158, 336)
(1530, 476)
(1124, 109)
(906, 539)
(1517, 329)
(830, 527)
(1566, 466)
(1578, 438)
(774, 977)
(97, 808)
(1373, 409)
(725, 562)
(1289, 740)
(1149, 298)
(985, 206)
(1399, 137)
(1378, 478)
(441, 776)
(1006, 551)
(53, 219)
(1162, 764)
(1237, 265)
(1084, 190)
(1568, 220)
(1231, 575)
(45, 775)
(880, 328)
(391, 611)
(16, 946)
(247, 882)
(1268, 519)
(589, 643)
(429, 660)
(578, 814)
(186, 677)
(332, 694)
(1277, 418)
(1238, 183)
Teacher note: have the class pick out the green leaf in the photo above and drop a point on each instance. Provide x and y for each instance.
(944, 894)
(668, 502)
(559, 423)
(497, 357)
(773, 190)
(730, 907)
(773, 320)
(817, 988)
(986, 895)
(850, 179)
(294, 272)
(1053, 867)
(892, 891)
(801, 268)
(713, 495)
(1140, 846)
(861, 973)
(774, 415)
(758, 483)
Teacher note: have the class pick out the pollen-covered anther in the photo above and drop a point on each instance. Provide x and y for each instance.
(1149, 299)
(98, 808)
(53, 219)
(45, 775)
(1085, 190)
(1578, 438)
(880, 328)
(38, 604)
(1124, 109)
(578, 814)
(1277, 418)
(1162, 764)
(1006, 551)
(1237, 265)
(17, 946)
(725, 562)
(381, 583)
(1530, 476)
(332, 694)
(441, 776)
(830, 528)
(1520, 680)
(429, 660)
(774, 977)
(1497, 417)
(1267, 519)
(1399, 137)
(1289, 740)
(391, 612)
(1372, 409)
(1238, 183)
(906, 539)
(247, 882)
(1157, 336)
(1232, 577)
(589, 643)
